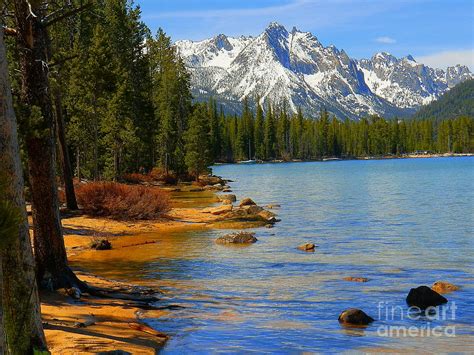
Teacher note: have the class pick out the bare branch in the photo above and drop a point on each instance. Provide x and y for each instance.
(61, 14)
(62, 61)
(10, 31)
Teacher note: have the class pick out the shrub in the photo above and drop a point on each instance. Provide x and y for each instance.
(158, 174)
(119, 201)
(136, 178)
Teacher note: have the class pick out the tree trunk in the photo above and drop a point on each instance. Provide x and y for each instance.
(65, 161)
(3, 341)
(78, 163)
(22, 326)
(50, 252)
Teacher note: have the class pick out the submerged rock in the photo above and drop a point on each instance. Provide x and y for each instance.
(102, 244)
(444, 287)
(356, 279)
(237, 238)
(228, 197)
(354, 316)
(247, 202)
(273, 206)
(424, 297)
(307, 247)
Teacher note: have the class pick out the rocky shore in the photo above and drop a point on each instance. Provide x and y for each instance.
(88, 324)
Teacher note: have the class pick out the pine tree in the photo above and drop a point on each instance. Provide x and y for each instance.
(172, 98)
(269, 134)
(215, 130)
(198, 139)
(259, 133)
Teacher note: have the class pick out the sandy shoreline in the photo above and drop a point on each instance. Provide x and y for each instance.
(383, 157)
(92, 324)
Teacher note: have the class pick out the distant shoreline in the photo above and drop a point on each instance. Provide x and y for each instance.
(332, 159)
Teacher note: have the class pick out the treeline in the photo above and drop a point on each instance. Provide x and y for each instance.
(122, 103)
(276, 134)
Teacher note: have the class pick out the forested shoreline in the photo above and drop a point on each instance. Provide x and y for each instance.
(123, 104)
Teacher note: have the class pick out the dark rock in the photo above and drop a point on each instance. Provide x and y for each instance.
(237, 238)
(354, 316)
(102, 244)
(424, 297)
(247, 202)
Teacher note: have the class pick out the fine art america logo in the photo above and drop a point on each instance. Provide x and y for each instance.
(429, 321)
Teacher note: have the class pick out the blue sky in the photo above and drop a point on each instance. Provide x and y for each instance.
(436, 32)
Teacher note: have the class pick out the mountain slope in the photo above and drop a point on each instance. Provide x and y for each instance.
(457, 102)
(294, 67)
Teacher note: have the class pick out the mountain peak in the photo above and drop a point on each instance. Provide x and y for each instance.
(222, 42)
(275, 25)
(274, 28)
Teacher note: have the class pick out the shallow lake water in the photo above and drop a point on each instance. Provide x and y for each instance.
(400, 223)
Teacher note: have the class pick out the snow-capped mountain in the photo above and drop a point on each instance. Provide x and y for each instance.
(295, 68)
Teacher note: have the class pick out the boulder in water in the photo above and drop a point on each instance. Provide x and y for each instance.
(424, 297)
(354, 316)
(247, 202)
(237, 238)
(307, 247)
(229, 197)
(444, 287)
(101, 244)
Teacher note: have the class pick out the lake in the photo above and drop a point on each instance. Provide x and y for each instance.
(400, 223)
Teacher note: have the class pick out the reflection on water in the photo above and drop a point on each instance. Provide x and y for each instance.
(400, 223)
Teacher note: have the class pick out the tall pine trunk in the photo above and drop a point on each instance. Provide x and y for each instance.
(50, 252)
(63, 150)
(22, 327)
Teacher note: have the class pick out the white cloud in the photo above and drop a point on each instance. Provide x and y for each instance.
(385, 40)
(445, 59)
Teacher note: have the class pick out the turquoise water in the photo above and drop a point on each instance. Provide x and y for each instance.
(400, 223)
